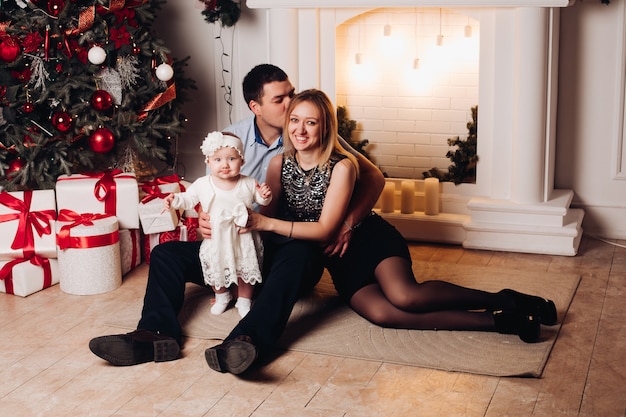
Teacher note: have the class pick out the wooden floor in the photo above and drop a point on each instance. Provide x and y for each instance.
(46, 368)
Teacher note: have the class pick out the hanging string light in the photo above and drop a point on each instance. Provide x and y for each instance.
(440, 36)
(416, 60)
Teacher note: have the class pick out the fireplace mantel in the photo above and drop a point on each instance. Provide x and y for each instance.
(336, 4)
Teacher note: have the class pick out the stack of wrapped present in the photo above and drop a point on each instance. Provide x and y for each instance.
(93, 209)
(86, 233)
(28, 246)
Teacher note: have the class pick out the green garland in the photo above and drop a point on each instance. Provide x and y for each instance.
(227, 12)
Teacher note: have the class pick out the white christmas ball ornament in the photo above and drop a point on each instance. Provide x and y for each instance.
(164, 72)
(97, 55)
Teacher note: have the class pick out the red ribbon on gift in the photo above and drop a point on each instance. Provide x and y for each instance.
(65, 240)
(6, 273)
(105, 189)
(134, 237)
(152, 192)
(27, 221)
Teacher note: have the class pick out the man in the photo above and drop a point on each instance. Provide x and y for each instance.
(292, 267)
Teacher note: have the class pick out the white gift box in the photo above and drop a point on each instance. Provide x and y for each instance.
(27, 276)
(88, 253)
(110, 192)
(154, 219)
(130, 249)
(27, 224)
(151, 214)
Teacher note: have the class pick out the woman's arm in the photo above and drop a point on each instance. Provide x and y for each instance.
(333, 212)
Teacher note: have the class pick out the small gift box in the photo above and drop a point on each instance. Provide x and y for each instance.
(28, 275)
(88, 253)
(111, 192)
(151, 214)
(183, 233)
(130, 249)
(27, 224)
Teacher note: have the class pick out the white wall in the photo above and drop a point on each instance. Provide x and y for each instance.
(214, 63)
(590, 116)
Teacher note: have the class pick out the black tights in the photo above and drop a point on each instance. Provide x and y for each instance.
(397, 300)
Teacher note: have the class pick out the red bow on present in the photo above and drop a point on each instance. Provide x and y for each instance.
(105, 189)
(152, 192)
(6, 273)
(151, 188)
(27, 221)
(64, 240)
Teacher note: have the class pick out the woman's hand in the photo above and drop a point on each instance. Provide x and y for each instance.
(255, 222)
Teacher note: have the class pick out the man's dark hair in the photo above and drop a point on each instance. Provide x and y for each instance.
(256, 79)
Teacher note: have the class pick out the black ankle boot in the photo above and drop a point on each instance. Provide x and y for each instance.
(526, 326)
(530, 304)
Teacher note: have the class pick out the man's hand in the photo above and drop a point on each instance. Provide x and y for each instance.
(339, 244)
(204, 224)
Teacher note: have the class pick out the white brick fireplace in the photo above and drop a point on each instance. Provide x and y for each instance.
(513, 205)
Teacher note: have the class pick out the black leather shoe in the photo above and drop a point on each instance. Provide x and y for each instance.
(526, 326)
(234, 356)
(531, 304)
(135, 347)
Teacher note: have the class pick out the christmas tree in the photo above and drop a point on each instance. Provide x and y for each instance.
(464, 158)
(84, 85)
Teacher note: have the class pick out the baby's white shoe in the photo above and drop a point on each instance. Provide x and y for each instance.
(243, 306)
(222, 300)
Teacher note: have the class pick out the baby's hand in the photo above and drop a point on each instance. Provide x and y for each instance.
(167, 202)
(265, 190)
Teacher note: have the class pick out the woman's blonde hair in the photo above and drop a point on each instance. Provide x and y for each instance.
(329, 137)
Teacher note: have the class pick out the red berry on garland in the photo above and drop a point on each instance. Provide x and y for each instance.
(62, 121)
(102, 140)
(28, 107)
(9, 49)
(101, 100)
(55, 7)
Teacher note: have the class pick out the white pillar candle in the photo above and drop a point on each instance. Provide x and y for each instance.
(407, 197)
(388, 197)
(431, 196)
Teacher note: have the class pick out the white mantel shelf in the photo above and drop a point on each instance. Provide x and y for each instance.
(337, 4)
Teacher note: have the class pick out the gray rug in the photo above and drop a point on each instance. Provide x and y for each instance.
(322, 324)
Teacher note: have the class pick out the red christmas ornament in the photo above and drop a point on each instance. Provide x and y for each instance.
(102, 140)
(9, 49)
(55, 7)
(28, 107)
(62, 121)
(101, 100)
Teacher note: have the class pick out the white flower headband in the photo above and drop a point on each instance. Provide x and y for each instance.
(217, 140)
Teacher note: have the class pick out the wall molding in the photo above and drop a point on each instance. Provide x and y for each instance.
(618, 164)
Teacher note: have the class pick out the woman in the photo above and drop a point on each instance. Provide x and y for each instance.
(312, 183)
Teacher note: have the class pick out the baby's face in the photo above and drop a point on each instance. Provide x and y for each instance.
(225, 163)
